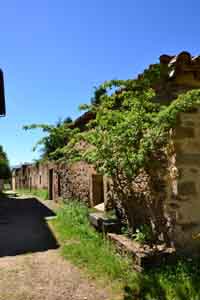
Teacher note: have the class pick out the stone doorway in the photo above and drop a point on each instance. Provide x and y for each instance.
(30, 183)
(59, 185)
(51, 184)
(96, 190)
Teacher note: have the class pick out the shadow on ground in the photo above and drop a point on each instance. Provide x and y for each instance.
(23, 228)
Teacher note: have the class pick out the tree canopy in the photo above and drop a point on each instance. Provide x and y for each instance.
(129, 135)
(56, 136)
(4, 165)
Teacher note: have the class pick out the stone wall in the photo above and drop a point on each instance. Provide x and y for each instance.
(30, 176)
(75, 181)
(183, 202)
(181, 73)
(69, 181)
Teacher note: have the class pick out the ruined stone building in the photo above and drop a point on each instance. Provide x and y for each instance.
(178, 74)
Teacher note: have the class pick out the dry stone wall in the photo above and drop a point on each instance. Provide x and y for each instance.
(69, 181)
(30, 176)
(183, 201)
(76, 181)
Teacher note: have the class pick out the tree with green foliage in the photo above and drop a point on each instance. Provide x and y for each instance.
(129, 141)
(56, 137)
(4, 165)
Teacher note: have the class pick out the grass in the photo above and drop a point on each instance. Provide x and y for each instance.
(7, 187)
(40, 193)
(180, 281)
(86, 248)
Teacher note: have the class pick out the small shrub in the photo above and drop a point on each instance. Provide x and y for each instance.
(143, 234)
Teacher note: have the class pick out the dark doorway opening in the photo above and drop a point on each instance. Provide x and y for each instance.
(97, 189)
(59, 186)
(51, 184)
(30, 183)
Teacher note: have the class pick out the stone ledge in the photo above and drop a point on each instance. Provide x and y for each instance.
(103, 223)
(143, 255)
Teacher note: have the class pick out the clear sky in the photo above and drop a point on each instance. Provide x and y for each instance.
(54, 52)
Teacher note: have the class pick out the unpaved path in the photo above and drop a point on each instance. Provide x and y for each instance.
(45, 276)
(31, 267)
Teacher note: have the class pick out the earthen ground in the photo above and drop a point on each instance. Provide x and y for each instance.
(31, 267)
(45, 276)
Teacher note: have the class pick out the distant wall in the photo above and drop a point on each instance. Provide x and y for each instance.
(75, 181)
(67, 181)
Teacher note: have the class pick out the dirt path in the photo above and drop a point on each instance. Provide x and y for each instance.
(31, 267)
(45, 276)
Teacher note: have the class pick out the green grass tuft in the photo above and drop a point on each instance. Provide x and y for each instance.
(86, 248)
(40, 193)
(180, 281)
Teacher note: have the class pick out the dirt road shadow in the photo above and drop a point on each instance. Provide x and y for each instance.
(23, 228)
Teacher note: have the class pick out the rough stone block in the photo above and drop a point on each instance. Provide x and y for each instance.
(187, 188)
(104, 224)
(184, 132)
(143, 256)
(96, 220)
(194, 171)
(189, 159)
(174, 205)
(188, 226)
(189, 123)
(111, 225)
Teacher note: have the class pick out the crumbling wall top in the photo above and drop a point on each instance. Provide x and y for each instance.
(183, 69)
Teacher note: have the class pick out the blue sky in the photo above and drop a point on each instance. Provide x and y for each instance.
(54, 52)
